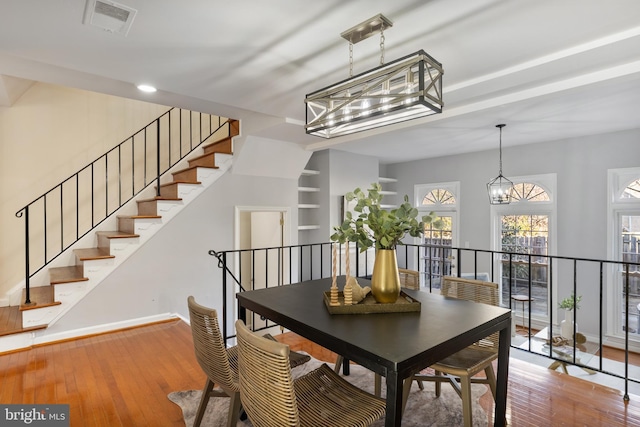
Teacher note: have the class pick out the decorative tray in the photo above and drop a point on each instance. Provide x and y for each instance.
(404, 303)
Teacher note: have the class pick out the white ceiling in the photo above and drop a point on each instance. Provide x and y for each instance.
(549, 69)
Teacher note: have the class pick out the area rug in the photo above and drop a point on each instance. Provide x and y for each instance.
(424, 409)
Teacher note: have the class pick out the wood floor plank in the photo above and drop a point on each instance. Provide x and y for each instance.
(123, 378)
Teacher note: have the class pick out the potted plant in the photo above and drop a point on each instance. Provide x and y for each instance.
(383, 229)
(568, 326)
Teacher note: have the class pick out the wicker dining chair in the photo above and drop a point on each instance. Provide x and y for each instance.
(272, 398)
(459, 369)
(409, 279)
(219, 363)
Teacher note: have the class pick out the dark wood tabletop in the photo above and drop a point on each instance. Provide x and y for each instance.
(394, 345)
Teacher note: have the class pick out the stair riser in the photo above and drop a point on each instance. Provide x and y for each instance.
(40, 316)
(117, 243)
(68, 293)
(123, 247)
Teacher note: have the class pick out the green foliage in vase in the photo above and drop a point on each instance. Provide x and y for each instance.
(569, 303)
(374, 225)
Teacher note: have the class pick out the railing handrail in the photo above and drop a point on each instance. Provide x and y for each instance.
(110, 207)
(403, 261)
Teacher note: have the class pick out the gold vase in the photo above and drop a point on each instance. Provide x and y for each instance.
(385, 281)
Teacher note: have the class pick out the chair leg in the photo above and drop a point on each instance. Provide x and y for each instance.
(491, 379)
(204, 400)
(377, 385)
(466, 400)
(438, 384)
(235, 407)
(338, 365)
(406, 388)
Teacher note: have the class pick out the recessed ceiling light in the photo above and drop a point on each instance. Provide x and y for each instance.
(147, 88)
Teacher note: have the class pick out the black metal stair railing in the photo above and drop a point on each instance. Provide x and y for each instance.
(249, 269)
(71, 209)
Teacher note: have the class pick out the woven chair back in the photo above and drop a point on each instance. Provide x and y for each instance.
(478, 291)
(409, 279)
(214, 359)
(266, 386)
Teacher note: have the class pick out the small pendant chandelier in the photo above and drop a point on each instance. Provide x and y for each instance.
(499, 188)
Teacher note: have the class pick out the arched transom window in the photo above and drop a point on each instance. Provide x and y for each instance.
(632, 191)
(526, 191)
(437, 197)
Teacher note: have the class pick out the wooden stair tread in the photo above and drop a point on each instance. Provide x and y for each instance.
(58, 275)
(180, 182)
(11, 322)
(190, 168)
(139, 216)
(221, 142)
(157, 198)
(41, 296)
(92, 253)
(202, 156)
(116, 234)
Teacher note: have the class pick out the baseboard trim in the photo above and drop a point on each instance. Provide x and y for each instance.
(28, 340)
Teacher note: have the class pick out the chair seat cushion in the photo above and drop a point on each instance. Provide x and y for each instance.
(468, 361)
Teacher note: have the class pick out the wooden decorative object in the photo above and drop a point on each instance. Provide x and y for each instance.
(348, 293)
(334, 283)
(369, 305)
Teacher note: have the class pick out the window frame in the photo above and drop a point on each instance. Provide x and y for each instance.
(617, 206)
(548, 182)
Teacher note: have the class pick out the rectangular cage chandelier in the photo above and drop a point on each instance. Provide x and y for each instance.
(405, 89)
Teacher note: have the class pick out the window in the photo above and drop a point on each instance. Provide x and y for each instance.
(436, 257)
(624, 245)
(524, 228)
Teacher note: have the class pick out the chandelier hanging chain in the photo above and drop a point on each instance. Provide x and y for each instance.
(500, 165)
(381, 45)
(350, 59)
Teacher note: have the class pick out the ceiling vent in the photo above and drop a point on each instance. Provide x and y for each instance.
(109, 16)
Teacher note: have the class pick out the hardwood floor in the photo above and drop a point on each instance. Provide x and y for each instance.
(123, 379)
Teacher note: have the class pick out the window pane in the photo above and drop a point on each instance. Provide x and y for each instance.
(437, 261)
(527, 235)
(630, 229)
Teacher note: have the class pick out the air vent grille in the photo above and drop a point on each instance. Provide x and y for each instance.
(109, 16)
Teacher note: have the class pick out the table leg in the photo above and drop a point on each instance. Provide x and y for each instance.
(393, 414)
(502, 375)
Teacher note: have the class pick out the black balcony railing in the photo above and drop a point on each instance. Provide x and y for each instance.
(71, 209)
(244, 270)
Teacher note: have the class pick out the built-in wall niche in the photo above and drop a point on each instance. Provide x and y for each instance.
(308, 200)
(388, 191)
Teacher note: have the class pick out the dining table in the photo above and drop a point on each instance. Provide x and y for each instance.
(393, 344)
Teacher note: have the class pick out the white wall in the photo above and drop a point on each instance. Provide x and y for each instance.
(581, 167)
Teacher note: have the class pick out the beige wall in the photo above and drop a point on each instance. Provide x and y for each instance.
(46, 136)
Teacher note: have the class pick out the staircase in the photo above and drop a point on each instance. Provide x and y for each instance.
(55, 289)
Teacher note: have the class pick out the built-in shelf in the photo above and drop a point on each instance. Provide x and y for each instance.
(382, 180)
(308, 189)
(310, 172)
(308, 206)
(308, 227)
